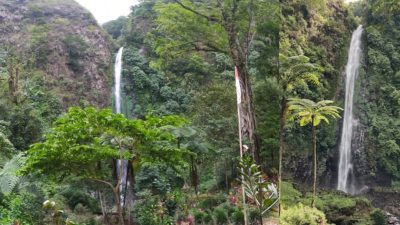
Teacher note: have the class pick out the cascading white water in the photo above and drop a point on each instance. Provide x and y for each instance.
(117, 80)
(117, 95)
(345, 163)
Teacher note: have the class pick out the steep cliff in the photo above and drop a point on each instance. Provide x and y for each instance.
(320, 30)
(61, 42)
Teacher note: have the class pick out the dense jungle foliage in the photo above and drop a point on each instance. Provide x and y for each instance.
(62, 149)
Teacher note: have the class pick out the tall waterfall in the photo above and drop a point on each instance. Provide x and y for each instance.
(118, 100)
(117, 80)
(345, 168)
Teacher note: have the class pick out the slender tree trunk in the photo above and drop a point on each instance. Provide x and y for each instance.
(103, 208)
(194, 176)
(119, 207)
(13, 80)
(314, 140)
(282, 120)
(226, 175)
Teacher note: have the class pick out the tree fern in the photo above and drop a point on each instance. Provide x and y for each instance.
(310, 112)
(8, 174)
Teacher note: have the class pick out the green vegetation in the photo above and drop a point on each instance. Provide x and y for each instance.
(62, 149)
(302, 215)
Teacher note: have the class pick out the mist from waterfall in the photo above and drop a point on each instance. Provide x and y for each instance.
(346, 180)
(118, 100)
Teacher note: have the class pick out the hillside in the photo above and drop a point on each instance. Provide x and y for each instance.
(60, 42)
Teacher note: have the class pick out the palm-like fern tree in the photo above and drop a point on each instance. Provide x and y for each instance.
(310, 112)
(293, 71)
(8, 174)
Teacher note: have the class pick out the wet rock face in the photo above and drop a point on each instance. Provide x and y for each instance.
(386, 199)
(64, 43)
(392, 220)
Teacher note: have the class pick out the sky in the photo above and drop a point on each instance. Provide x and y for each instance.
(106, 10)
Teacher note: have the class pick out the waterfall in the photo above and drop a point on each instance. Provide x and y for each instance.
(346, 181)
(118, 100)
(117, 80)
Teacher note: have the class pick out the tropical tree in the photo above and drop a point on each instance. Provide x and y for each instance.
(217, 26)
(87, 142)
(293, 71)
(310, 112)
(186, 138)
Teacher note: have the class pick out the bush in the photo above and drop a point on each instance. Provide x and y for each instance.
(23, 207)
(290, 195)
(207, 218)
(220, 215)
(211, 202)
(149, 210)
(77, 197)
(302, 215)
(198, 216)
(378, 217)
(158, 178)
(237, 217)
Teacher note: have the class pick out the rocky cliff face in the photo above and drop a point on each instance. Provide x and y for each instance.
(62, 42)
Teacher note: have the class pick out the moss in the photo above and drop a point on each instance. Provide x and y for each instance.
(378, 217)
(334, 201)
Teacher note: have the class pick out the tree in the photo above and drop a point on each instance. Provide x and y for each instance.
(6, 147)
(86, 142)
(387, 8)
(14, 69)
(293, 71)
(219, 26)
(310, 112)
(114, 27)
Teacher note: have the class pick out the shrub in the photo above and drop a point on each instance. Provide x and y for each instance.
(77, 48)
(378, 217)
(220, 215)
(198, 216)
(77, 197)
(237, 217)
(149, 210)
(254, 215)
(290, 195)
(212, 201)
(302, 215)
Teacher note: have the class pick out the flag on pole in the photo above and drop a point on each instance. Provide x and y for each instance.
(238, 88)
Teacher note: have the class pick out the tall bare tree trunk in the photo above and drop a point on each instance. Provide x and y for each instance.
(282, 121)
(239, 54)
(13, 80)
(247, 115)
(314, 140)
